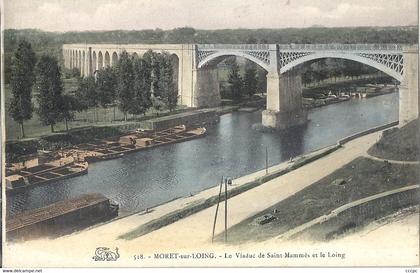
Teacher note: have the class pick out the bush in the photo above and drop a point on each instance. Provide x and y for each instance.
(16, 149)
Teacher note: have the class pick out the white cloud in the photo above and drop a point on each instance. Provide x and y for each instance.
(62, 15)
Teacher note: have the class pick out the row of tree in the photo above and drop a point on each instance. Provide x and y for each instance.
(135, 85)
(43, 74)
(328, 68)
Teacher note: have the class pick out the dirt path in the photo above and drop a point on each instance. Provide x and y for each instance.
(390, 161)
(190, 234)
(299, 229)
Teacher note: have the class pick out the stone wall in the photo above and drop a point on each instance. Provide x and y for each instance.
(198, 117)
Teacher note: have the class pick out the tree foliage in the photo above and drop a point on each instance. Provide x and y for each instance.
(50, 91)
(250, 78)
(87, 93)
(125, 86)
(262, 80)
(235, 81)
(142, 86)
(22, 81)
(169, 90)
(106, 85)
(71, 104)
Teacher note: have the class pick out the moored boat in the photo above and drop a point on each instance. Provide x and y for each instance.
(18, 182)
(61, 218)
(137, 141)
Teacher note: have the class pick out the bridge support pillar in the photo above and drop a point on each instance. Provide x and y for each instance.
(206, 89)
(409, 89)
(284, 101)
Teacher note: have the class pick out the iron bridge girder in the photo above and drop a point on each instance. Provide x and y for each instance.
(387, 57)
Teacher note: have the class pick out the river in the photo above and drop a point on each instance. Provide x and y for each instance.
(231, 148)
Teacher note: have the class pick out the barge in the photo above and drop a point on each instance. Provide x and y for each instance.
(61, 218)
(23, 180)
(134, 142)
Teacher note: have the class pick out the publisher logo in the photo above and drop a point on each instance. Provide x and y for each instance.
(105, 254)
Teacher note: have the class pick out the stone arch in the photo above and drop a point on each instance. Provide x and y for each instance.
(114, 59)
(94, 62)
(219, 56)
(107, 59)
(100, 60)
(353, 57)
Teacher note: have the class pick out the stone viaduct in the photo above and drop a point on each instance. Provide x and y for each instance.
(197, 73)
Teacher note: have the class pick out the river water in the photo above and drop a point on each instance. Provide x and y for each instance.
(231, 148)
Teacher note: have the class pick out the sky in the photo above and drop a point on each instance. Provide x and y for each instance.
(81, 15)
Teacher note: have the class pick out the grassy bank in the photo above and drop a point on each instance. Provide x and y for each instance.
(399, 143)
(358, 179)
(95, 116)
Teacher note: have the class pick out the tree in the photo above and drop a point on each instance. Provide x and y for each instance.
(157, 103)
(250, 78)
(70, 105)
(169, 90)
(235, 81)
(352, 69)
(181, 35)
(22, 81)
(335, 67)
(50, 91)
(125, 83)
(156, 61)
(106, 86)
(87, 94)
(142, 83)
(262, 80)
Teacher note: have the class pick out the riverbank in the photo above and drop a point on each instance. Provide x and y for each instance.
(328, 96)
(193, 232)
